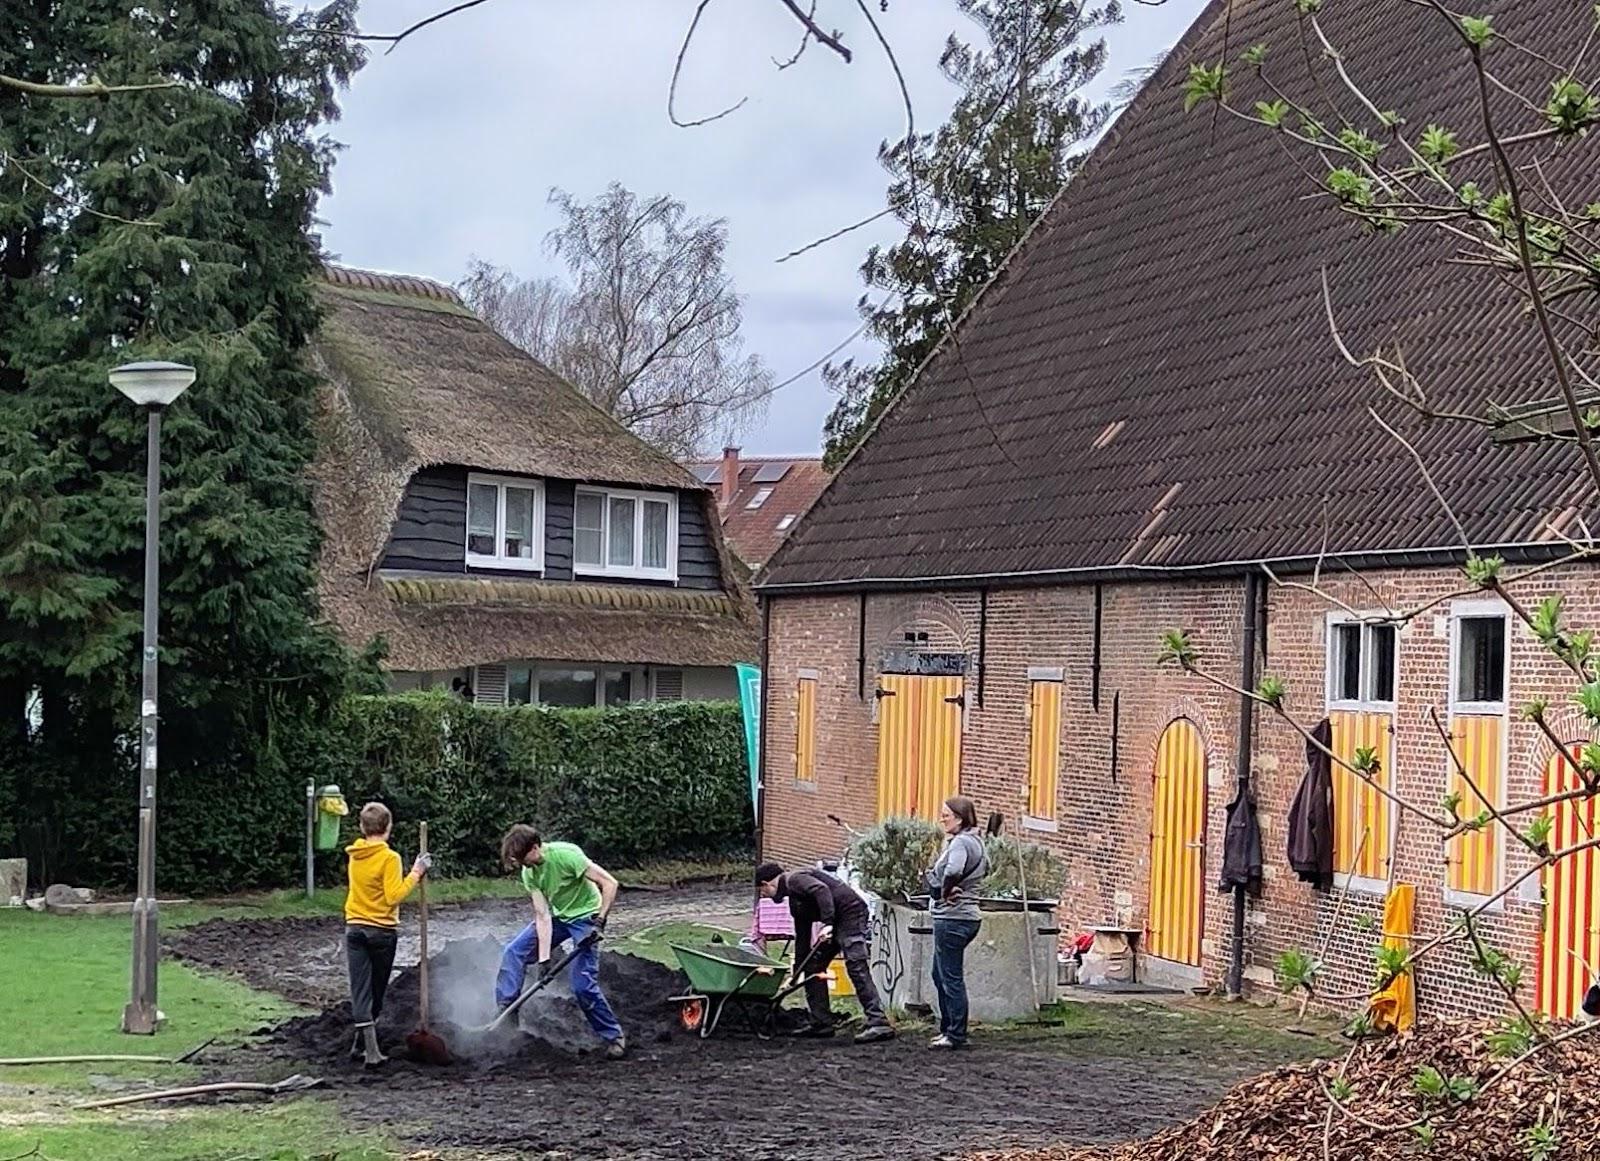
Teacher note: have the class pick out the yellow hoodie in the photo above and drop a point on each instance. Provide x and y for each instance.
(377, 888)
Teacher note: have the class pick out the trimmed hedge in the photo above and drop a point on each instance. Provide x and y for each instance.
(650, 780)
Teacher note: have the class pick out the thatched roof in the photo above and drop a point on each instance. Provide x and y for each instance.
(412, 379)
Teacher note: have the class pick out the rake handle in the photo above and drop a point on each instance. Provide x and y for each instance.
(422, 925)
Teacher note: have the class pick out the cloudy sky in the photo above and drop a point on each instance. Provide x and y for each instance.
(454, 141)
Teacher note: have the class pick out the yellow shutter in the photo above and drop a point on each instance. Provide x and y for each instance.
(805, 742)
(919, 744)
(1474, 857)
(1569, 951)
(1359, 809)
(1044, 748)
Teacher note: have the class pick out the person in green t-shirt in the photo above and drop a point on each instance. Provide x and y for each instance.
(571, 898)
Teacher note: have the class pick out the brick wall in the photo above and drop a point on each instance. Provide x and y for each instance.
(1104, 812)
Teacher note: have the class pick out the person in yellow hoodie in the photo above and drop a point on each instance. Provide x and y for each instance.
(372, 922)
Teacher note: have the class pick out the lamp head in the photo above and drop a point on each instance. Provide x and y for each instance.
(152, 384)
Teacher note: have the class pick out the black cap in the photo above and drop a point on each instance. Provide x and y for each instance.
(767, 872)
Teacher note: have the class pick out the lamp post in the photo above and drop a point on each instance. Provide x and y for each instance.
(153, 387)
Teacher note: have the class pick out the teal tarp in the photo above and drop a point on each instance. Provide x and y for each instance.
(750, 700)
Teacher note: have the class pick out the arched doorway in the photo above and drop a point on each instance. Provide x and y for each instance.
(1178, 846)
(1569, 948)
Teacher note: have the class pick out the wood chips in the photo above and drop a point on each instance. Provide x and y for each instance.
(1286, 1116)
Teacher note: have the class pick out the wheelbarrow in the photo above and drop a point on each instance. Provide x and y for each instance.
(723, 975)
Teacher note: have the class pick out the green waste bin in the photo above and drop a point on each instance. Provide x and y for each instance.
(331, 809)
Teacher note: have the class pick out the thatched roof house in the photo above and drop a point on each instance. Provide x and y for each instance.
(498, 530)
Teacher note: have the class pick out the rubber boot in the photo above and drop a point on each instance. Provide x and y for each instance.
(369, 1040)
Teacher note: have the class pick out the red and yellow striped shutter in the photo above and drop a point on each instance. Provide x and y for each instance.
(896, 708)
(805, 741)
(1361, 813)
(1044, 748)
(1569, 949)
(1177, 845)
(1474, 857)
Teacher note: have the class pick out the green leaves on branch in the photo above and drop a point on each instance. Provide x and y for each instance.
(1308, 7)
(1538, 833)
(1438, 144)
(1298, 970)
(1512, 1038)
(1484, 571)
(1588, 700)
(1451, 803)
(1572, 109)
(1177, 649)
(1255, 55)
(1546, 620)
(1391, 963)
(1359, 144)
(1477, 30)
(1272, 113)
(1206, 83)
(1431, 1084)
(1350, 187)
(1271, 690)
(1365, 761)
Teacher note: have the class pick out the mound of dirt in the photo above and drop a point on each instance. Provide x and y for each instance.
(1547, 1106)
(461, 991)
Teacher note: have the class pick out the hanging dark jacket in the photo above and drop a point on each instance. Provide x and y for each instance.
(1311, 816)
(1241, 845)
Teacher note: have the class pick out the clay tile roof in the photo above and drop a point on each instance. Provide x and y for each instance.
(411, 379)
(1150, 382)
(755, 533)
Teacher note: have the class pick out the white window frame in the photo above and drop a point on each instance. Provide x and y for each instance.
(636, 571)
(534, 563)
(1349, 881)
(535, 669)
(1362, 704)
(1465, 610)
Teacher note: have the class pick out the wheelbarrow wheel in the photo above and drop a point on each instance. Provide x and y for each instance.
(692, 1013)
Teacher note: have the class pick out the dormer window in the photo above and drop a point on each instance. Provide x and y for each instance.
(625, 534)
(505, 522)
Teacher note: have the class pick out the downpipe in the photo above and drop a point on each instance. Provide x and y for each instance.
(1247, 706)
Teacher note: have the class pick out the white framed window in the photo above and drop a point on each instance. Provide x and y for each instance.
(505, 522)
(760, 498)
(625, 533)
(1363, 665)
(1478, 659)
(575, 686)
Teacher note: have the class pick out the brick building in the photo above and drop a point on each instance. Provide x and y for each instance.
(1145, 414)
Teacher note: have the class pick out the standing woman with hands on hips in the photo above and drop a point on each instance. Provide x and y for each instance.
(953, 886)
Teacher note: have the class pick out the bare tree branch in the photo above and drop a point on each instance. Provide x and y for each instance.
(677, 70)
(94, 88)
(814, 30)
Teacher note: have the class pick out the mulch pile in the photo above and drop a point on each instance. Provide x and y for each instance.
(1284, 1115)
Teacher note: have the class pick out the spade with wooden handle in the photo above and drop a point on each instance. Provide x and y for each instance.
(423, 1044)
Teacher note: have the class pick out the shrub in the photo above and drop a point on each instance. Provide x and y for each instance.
(658, 779)
(892, 857)
(1044, 870)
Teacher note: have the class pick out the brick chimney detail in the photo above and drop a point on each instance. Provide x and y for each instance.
(730, 475)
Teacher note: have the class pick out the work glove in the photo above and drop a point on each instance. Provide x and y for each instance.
(547, 968)
(422, 866)
(599, 927)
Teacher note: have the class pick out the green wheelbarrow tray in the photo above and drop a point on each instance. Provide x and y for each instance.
(722, 974)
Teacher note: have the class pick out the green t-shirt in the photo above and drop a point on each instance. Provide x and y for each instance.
(560, 880)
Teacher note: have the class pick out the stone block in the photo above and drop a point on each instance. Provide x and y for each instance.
(13, 882)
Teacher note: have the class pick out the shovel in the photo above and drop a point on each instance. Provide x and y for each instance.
(423, 1044)
(511, 1009)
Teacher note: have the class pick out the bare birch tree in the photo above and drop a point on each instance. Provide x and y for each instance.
(648, 328)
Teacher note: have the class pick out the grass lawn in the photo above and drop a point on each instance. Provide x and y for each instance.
(66, 981)
(69, 1001)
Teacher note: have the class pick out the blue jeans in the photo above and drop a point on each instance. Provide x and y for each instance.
(523, 951)
(950, 939)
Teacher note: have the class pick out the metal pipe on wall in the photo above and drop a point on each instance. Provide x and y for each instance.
(1247, 705)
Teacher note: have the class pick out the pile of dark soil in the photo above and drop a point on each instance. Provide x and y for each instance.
(289, 957)
(461, 987)
(1546, 1107)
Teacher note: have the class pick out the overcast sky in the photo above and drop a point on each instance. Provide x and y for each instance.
(454, 141)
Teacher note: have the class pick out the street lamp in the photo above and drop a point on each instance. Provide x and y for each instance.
(152, 386)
